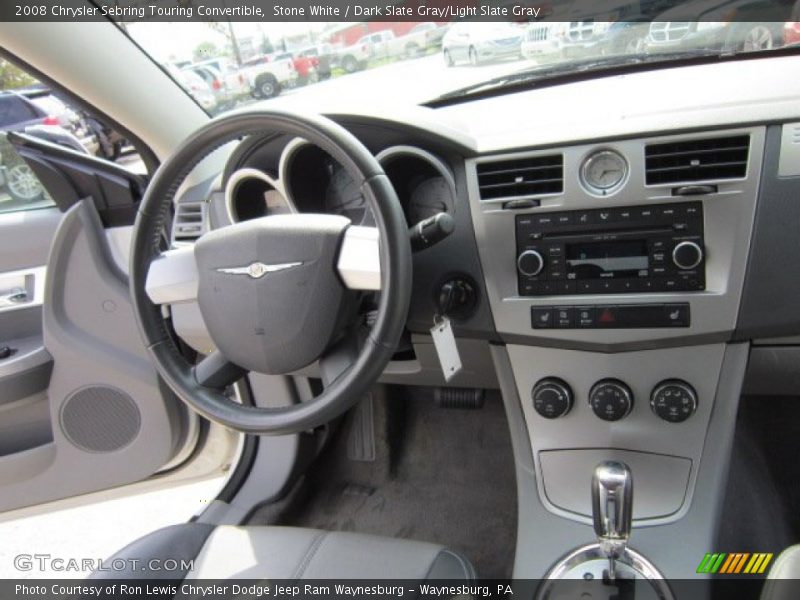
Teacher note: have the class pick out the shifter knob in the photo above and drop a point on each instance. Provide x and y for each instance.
(612, 506)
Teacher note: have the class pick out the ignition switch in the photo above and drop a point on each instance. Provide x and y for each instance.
(457, 298)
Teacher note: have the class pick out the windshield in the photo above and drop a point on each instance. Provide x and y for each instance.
(225, 65)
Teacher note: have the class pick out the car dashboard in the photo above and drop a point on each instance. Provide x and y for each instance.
(629, 243)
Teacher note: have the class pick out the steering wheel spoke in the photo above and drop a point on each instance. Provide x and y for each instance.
(359, 262)
(172, 277)
(217, 372)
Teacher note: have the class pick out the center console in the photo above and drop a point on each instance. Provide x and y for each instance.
(614, 271)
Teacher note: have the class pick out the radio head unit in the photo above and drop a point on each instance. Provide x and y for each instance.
(651, 248)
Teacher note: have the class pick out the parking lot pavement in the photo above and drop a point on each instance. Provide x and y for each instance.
(94, 531)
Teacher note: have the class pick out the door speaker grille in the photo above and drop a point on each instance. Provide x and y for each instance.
(100, 419)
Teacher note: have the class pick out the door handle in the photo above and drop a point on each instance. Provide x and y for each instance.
(14, 297)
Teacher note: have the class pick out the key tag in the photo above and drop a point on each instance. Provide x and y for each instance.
(445, 343)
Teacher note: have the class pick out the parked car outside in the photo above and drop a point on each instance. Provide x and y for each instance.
(20, 114)
(542, 39)
(421, 38)
(267, 75)
(475, 43)
(59, 114)
(305, 66)
(740, 25)
(353, 58)
(224, 96)
(379, 44)
(235, 82)
(324, 56)
(791, 29)
(197, 88)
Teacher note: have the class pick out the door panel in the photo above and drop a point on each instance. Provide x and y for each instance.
(109, 422)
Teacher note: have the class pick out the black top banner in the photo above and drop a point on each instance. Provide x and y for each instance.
(439, 11)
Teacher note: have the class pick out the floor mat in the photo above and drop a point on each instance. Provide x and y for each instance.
(440, 475)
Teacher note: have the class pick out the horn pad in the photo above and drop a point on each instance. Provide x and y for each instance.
(269, 291)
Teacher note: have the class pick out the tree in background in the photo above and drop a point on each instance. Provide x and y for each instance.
(12, 77)
(205, 50)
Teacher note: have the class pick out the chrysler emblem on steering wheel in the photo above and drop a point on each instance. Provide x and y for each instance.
(257, 270)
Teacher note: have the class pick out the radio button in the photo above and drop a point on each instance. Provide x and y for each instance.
(687, 255)
(546, 220)
(563, 218)
(530, 263)
(605, 216)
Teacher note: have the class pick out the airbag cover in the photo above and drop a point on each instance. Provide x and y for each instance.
(269, 291)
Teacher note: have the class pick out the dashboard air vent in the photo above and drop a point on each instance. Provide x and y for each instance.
(529, 176)
(697, 160)
(189, 223)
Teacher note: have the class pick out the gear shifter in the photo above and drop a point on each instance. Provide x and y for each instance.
(612, 509)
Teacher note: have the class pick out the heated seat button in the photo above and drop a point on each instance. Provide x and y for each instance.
(542, 317)
(677, 315)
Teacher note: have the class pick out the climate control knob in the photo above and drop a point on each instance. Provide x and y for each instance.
(611, 399)
(673, 400)
(552, 397)
(687, 255)
(530, 263)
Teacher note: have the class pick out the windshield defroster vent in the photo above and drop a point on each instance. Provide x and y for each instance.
(189, 223)
(529, 176)
(697, 160)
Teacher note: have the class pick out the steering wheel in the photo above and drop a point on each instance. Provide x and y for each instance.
(278, 292)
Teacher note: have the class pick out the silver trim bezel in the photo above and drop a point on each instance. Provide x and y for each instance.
(243, 174)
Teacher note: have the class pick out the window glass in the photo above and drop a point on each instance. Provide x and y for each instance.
(30, 107)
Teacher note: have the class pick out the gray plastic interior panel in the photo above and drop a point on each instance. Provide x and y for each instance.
(544, 536)
(90, 332)
(659, 481)
(772, 285)
(728, 223)
(640, 431)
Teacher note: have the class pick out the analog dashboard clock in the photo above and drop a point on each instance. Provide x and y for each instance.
(604, 172)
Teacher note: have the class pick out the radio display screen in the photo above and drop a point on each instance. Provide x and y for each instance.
(595, 260)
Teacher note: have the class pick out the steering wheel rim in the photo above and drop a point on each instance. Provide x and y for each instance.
(395, 260)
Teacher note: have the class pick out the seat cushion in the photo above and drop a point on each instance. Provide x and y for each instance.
(783, 580)
(280, 553)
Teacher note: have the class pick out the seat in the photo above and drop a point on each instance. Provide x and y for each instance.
(281, 553)
(783, 580)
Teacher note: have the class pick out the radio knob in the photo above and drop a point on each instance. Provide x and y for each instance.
(673, 400)
(687, 255)
(530, 263)
(552, 397)
(611, 399)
